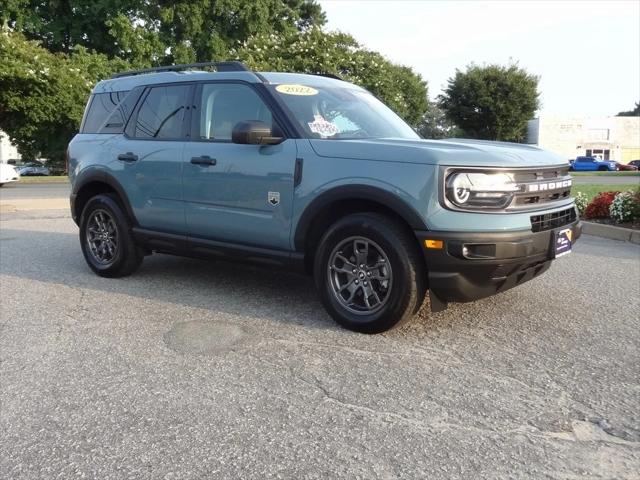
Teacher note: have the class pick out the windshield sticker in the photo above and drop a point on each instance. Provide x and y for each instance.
(323, 127)
(296, 90)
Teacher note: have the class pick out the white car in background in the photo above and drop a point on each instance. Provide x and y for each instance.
(8, 173)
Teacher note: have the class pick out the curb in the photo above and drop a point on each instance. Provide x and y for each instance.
(611, 231)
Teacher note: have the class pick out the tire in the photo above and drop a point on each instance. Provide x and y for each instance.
(394, 270)
(603, 169)
(120, 255)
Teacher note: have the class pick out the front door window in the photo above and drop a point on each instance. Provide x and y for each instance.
(224, 105)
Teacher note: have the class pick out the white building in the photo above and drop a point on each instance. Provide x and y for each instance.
(609, 138)
(8, 151)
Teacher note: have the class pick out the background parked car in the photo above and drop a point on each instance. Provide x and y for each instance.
(33, 169)
(8, 173)
(627, 167)
(594, 164)
(635, 163)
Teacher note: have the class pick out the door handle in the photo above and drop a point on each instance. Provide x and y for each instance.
(127, 157)
(204, 160)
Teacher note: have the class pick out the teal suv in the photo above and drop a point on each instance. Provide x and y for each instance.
(311, 173)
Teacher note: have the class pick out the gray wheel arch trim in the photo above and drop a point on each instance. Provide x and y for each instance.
(355, 192)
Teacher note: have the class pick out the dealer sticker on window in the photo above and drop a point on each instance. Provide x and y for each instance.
(562, 242)
(323, 127)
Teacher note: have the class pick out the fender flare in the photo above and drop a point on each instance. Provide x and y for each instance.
(355, 192)
(108, 179)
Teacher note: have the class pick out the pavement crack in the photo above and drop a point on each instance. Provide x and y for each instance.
(433, 426)
(413, 352)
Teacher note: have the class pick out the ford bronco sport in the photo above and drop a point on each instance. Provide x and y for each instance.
(312, 173)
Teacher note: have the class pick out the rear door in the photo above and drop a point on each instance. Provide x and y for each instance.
(240, 194)
(149, 157)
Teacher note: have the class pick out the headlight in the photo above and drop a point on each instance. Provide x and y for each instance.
(480, 190)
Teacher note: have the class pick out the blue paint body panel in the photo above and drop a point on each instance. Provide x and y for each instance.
(230, 201)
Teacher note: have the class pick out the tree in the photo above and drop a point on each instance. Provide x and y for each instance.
(631, 113)
(42, 94)
(435, 125)
(52, 53)
(60, 25)
(318, 52)
(158, 32)
(491, 102)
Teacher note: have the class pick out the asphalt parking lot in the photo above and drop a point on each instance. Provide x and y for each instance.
(28, 191)
(190, 369)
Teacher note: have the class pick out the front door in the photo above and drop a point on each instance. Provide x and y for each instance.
(240, 194)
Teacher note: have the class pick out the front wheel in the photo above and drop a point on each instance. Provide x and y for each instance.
(106, 239)
(369, 273)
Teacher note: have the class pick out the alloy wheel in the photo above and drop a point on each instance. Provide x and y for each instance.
(360, 275)
(102, 237)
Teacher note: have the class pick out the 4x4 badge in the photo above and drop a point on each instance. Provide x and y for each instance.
(273, 198)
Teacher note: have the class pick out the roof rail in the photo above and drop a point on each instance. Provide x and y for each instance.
(328, 75)
(229, 66)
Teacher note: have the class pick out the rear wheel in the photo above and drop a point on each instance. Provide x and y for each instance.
(106, 238)
(369, 273)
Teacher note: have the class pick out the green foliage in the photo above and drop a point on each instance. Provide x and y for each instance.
(60, 25)
(159, 32)
(626, 206)
(315, 51)
(591, 190)
(631, 113)
(491, 102)
(435, 125)
(581, 201)
(43, 94)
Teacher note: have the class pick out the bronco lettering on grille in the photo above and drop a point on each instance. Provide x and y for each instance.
(542, 187)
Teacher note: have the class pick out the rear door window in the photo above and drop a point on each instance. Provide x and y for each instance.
(162, 113)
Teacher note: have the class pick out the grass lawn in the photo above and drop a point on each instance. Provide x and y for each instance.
(592, 189)
(49, 179)
(605, 174)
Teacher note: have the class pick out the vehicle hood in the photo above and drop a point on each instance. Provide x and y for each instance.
(454, 152)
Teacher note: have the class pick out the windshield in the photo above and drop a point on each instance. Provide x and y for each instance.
(341, 113)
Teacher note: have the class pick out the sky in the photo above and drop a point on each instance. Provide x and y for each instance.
(586, 52)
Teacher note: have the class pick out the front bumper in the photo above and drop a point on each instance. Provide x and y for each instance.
(491, 262)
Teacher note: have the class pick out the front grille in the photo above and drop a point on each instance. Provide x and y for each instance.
(544, 185)
(549, 221)
(540, 174)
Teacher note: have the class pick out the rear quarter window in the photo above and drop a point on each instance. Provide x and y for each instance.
(101, 106)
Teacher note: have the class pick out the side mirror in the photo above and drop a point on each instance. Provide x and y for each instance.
(254, 132)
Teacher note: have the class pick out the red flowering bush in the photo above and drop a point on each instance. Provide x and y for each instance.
(600, 205)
